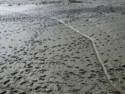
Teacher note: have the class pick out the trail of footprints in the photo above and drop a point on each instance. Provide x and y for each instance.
(111, 50)
(47, 60)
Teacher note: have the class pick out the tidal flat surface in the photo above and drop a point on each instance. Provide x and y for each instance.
(40, 55)
(43, 56)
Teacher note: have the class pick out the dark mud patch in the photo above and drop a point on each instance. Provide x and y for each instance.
(50, 2)
(74, 1)
(98, 10)
(105, 9)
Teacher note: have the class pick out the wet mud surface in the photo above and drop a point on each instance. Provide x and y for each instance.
(111, 50)
(44, 56)
(39, 55)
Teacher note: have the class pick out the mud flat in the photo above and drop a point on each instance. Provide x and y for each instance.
(111, 48)
(43, 56)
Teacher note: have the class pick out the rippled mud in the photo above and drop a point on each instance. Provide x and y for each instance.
(40, 55)
(44, 56)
